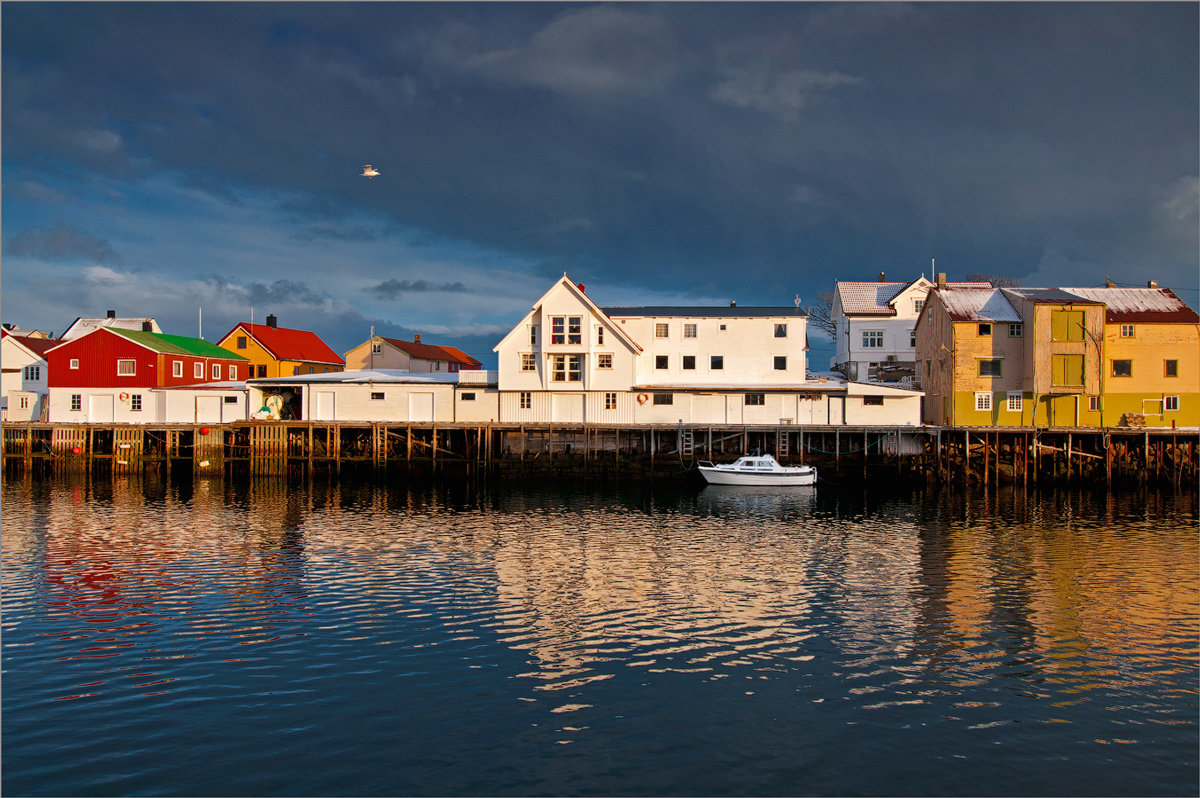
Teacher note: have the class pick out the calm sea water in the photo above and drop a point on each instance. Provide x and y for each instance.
(264, 639)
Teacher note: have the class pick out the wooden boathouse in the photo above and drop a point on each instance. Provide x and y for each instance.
(936, 454)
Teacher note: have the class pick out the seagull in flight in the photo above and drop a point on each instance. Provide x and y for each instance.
(369, 171)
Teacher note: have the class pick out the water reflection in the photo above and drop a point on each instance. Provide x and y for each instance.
(972, 614)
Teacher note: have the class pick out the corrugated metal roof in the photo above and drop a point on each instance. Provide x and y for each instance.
(175, 344)
(1145, 305)
(82, 326)
(977, 304)
(874, 299)
(709, 312)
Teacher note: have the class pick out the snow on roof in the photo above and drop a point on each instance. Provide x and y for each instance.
(977, 304)
(1139, 304)
(875, 298)
(82, 326)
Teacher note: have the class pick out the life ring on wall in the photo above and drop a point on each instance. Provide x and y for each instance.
(643, 398)
(124, 397)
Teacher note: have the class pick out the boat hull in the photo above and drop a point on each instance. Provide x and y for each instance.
(724, 476)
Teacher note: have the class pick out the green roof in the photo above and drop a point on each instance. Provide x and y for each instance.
(175, 344)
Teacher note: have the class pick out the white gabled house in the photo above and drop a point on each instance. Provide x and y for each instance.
(24, 385)
(876, 327)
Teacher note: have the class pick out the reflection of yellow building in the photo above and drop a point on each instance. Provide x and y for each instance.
(1059, 357)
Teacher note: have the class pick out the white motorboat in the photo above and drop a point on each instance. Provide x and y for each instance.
(757, 469)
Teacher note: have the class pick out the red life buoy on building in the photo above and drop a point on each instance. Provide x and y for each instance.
(643, 398)
(124, 397)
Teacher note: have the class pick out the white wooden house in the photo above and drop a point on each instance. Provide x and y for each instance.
(876, 327)
(23, 382)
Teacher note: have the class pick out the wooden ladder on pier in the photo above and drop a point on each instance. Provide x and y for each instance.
(782, 443)
(687, 444)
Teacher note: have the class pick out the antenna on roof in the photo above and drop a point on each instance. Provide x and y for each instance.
(200, 322)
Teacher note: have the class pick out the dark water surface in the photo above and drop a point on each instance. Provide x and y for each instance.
(259, 639)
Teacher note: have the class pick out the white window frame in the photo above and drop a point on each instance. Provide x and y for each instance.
(533, 334)
(610, 400)
(126, 367)
(983, 401)
(74, 363)
(176, 368)
(566, 368)
(525, 399)
(689, 330)
(76, 401)
(574, 330)
(135, 403)
(918, 306)
(216, 371)
(1093, 404)
(662, 329)
(599, 335)
(528, 362)
(376, 349)
(1127, 331)
(872, 339)
(198, 371)
(31, 373)
(604, 360)
(1016, 401)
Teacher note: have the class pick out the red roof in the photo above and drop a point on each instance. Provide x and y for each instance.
(36, 345)
(285, 344)
(447, 354)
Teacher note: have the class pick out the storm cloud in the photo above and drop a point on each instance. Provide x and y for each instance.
(60, 242)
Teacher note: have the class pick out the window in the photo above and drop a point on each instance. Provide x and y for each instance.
(600, 336)
(24, 402)
(1066, 370)
(985, 330)
(1170, 368)
(76, 401)
(1122, 368)
(135, 403)
(1015, 330)
(912, 338)
(660, 330)
(660, 361)
(1066, 325)
(295, 370)
(126, 368)
(558, 329)
(525, 399)
(241, 342)
(574, 329)
(610, 401)
(198, 371)
(604, 361)
(689, 362)
(566, 368)
(983, 400)
(689, 331)
(376, 349)
(781, 363)
(873, 401)
(664, 398)
(990, 367)
(262, 371)
(32, 373)
(781, 331)
(216, 371)
(1170, 403)
(74, 363)
(231, 400)
(377, 396)
(528, 363)
(468, 396)
(756, 399)
(1094, 404)
(177, 368)
(872, 339)
(721, 328)
(1016, 401)
(533, 335)
(1126, 330)
(918, 305)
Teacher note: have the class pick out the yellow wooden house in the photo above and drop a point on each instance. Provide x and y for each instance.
(275, 351)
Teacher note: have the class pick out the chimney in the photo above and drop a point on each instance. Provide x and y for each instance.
(941, 281)
(147, 326)
(733, 303)
(272, 321)
(582, 288)
(1108, 283)
(1152, 284)
(416, 338)
(112, 314)
(882, 277)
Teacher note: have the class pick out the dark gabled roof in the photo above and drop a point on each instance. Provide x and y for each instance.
(708, 312)
(38, 346)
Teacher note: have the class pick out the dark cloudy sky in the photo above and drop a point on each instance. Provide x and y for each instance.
(162, 158)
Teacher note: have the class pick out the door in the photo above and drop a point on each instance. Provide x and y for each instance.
(420, 406)
(567, 407)
(326, 411)
(100, 408)
(733, 408)
(208, 408)
(709, 409)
